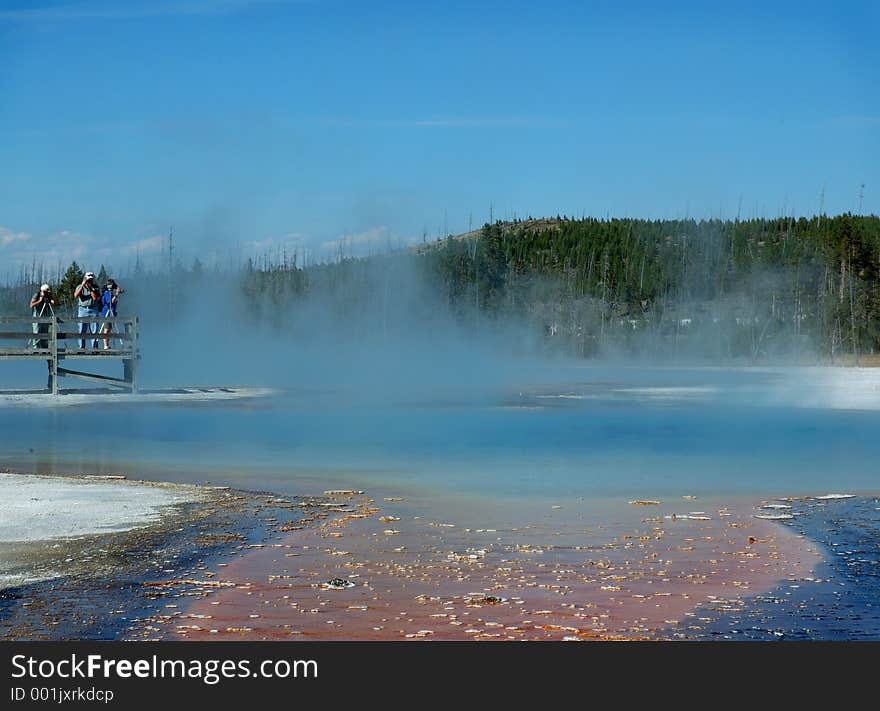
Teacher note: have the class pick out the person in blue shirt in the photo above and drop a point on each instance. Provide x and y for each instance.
(108, 308)
(88, 299)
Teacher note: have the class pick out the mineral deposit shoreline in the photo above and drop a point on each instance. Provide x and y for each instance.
(79, 582)
(218, 563)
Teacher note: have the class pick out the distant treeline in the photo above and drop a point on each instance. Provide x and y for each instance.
(802, 288)
(753, 289)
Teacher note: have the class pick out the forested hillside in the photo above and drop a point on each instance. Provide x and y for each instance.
(725, 288)
(801, 290)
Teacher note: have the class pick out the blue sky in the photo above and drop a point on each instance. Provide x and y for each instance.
(253, 125)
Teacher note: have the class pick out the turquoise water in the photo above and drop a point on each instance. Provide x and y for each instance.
(546, 457)
(559, 432)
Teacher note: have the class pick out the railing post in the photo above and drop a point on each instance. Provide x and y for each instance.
(53, 351)
(135, 356)
(129, 365)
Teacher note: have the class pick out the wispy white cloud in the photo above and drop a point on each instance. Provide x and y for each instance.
(47, 253)
(9, 237)
(54, 251)
(372, 241)
(62, 247)
(131, 10)
(51, 253)
(270, 244)
(145, 246)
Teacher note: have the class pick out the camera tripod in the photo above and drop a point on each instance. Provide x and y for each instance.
(35, 343)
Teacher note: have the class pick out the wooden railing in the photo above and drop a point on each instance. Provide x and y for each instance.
(55, 339)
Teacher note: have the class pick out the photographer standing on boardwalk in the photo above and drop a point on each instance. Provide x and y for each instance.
(108, 309)
(42, 304)
(89, 306)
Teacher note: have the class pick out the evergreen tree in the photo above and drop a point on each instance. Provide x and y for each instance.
(72, 278)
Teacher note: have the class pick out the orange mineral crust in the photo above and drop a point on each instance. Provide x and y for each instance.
(391, 569)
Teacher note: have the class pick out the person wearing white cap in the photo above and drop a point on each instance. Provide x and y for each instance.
(88, 299)
(42, 304)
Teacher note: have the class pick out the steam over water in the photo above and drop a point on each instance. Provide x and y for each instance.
(560, 431)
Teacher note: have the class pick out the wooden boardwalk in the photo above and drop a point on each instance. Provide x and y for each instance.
(59, 339)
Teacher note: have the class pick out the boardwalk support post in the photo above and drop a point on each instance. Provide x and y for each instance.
(53, 361)
(129, 365)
